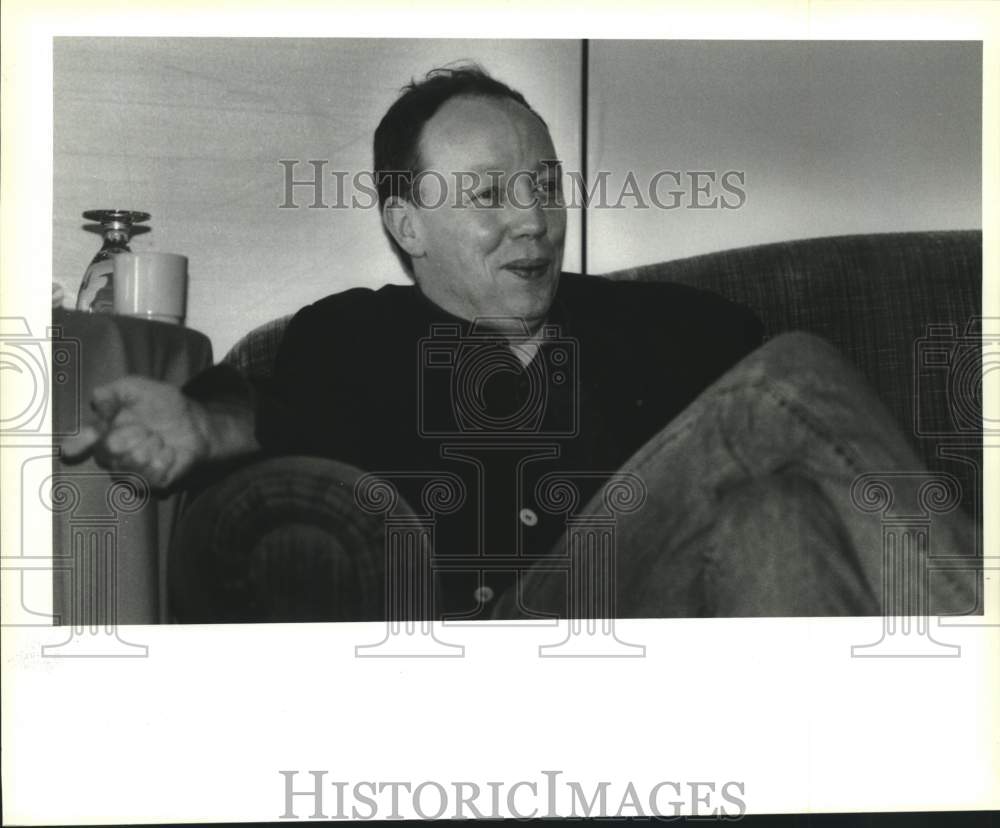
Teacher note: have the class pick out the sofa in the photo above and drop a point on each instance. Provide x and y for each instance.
(280, 539)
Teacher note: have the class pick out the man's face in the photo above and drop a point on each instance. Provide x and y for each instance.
(494, 249)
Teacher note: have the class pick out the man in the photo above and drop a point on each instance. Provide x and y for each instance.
(507, 380)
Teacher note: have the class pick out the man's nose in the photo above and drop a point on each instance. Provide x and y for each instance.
(527, 215)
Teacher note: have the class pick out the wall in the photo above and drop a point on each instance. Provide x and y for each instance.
(833, 137)
(191, 130)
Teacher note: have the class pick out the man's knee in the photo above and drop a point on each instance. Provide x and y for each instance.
(797, 353)
(798, 389)
(779, 547)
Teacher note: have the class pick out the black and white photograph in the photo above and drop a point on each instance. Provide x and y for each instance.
(474, 431)
(587, 376)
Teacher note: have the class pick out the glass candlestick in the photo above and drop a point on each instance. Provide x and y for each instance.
(117, 226)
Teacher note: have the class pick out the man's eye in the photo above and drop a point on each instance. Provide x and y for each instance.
(552, 189)
(488, 196)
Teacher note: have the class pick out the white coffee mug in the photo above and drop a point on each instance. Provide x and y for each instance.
(151, 285)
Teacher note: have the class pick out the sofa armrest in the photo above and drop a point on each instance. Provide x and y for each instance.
(280, 539)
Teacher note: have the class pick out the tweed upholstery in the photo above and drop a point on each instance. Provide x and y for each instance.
(254, 354)
(281, 540)
(873, 296)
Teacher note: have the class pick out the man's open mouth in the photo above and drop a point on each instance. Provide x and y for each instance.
(528, 268)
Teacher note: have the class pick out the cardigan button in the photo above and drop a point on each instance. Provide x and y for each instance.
(483, 594)
(528, 517)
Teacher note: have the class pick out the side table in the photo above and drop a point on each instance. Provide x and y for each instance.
(110, 532)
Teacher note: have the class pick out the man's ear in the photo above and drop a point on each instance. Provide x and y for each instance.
(400, 219)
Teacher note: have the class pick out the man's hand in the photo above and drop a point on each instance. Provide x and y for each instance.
(153, 429)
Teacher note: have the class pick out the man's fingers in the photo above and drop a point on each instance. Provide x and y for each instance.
(107, 400)
(139, 456)
(146, 428)
(79, 444)
(153, 460)
(122, 439)
(162, 468)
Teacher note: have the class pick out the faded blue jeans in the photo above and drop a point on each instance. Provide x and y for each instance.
(752, 507)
